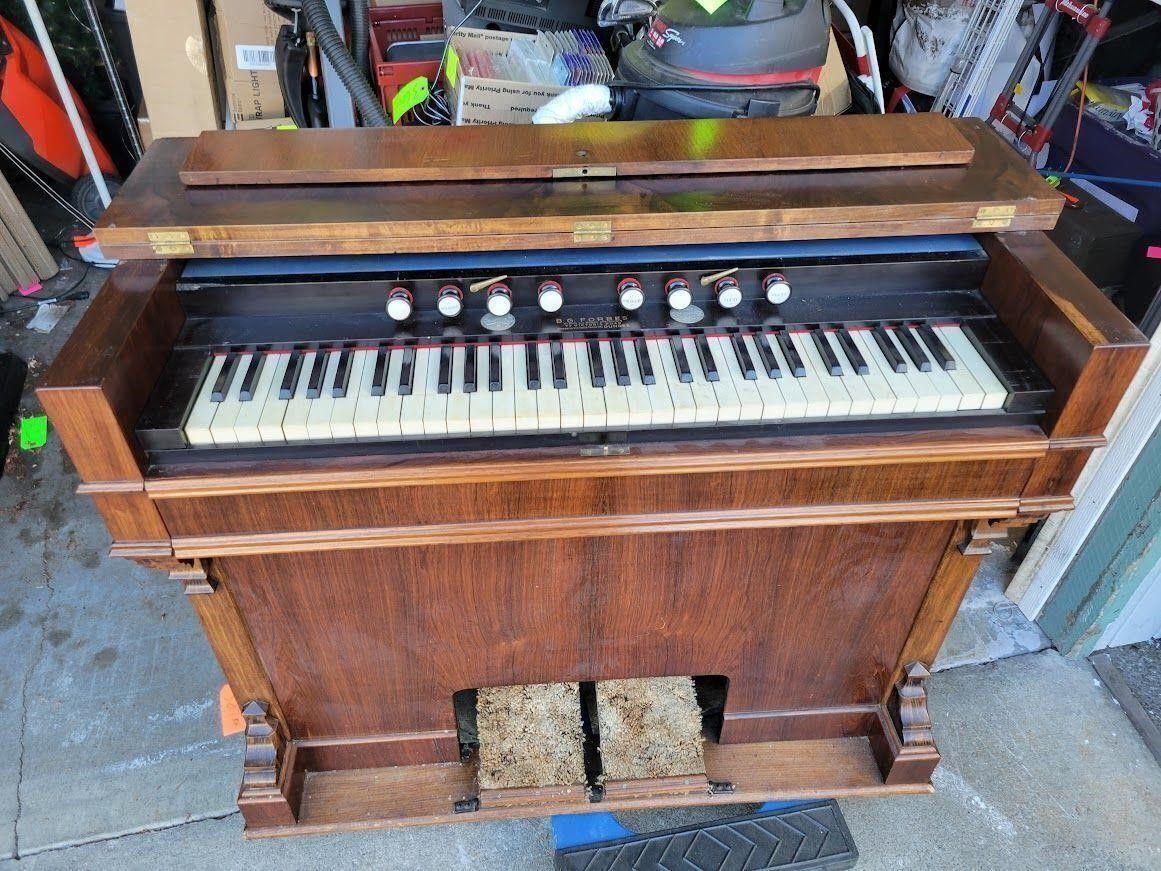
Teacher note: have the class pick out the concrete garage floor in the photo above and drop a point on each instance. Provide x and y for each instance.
(111, 753)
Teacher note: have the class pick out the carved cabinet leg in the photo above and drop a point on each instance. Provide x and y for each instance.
(271, 788)
(904, 743)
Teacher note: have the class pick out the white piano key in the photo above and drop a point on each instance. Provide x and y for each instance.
(961, 347)
(459, 417)
(642, 397)
(798, 402)
(222, 427)
(294, 423)
(950, 397)
(504, 400)
(480, 401)
(366, 406)
(862, 402)
(971, 393)
(665, 371)
(926, 395)
(524, 400)
(274, 406)
(434, 402)
(592, 398)
(201, 414)
(745, 393)
(343, 413)
(616, 396)
(318, 421)
(704, 398)
(547, 397)
(246, 426)
(391, 403)
(817, 373)
(906, 399)
(883, 399)
(411, 405)
(769, 389)
(572, 415)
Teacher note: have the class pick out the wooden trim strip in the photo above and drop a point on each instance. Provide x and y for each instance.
(662, 459)
(89, 488)
(189, 547)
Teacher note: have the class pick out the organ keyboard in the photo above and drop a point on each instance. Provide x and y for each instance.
(754, 426)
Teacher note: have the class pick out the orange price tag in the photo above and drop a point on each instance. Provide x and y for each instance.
(232, 720)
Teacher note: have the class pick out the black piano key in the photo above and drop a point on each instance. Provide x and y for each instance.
(495, 375)
(596, 367)
(684, 374)
(250, 377)
(559, 375)
(936, 348)
(290, 377)
(793, 359)
(342, 374)
(744, 359)
(314, 382)
(532, 365)
(766, 352)
(643, 362)
(829, 359)
(225, 377)
(445, 373)
(707, 358)
(407, 371)
(912, 348)
(620, 364)
(379, 376)
(890, 352)
(851, 350)
(470, 369)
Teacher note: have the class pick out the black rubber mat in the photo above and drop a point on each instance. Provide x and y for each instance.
(807, 836)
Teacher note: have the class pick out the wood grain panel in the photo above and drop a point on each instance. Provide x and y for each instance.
(1086, 347)
(573, 497)
(536, 214)
(130, 516)
(795, 618)
(409, 154)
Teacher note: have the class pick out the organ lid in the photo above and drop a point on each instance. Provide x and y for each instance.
(255, 193)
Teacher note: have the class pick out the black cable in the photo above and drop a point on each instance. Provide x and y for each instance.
(57, 297)
(360, 39)
(332, 45)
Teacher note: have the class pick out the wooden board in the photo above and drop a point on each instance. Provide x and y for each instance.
(155, 215)
(594, 149)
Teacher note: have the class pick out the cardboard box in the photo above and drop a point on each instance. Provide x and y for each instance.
(834, 90)
(245, 32)
(481, 100)
(172, 49)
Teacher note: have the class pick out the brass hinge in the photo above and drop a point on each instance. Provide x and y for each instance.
(993, 217)
(171, 243)
(592, 231)
(575, 172)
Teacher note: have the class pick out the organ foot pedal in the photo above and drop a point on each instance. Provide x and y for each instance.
(786, 836)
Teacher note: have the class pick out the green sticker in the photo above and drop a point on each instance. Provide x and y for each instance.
(33, 432)
(453, 66)
(408, 97)
(711, 6)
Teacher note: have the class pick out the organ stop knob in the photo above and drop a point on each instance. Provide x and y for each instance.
(630, 294)
(777, 288)
(728, 292)
(677, 294)
(550, 296)
(499, 299)
(450, 301)
(399, 304)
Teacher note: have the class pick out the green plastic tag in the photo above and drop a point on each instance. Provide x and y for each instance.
(453, 66)
(289, 126)
(33, 432)
(711, 6)
(408, 97)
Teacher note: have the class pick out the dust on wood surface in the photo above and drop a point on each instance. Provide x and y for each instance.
(530, 736)
(650, 727)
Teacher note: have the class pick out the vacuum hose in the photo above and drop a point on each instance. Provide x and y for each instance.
(359, 36)
(579, 102)
(332, 45)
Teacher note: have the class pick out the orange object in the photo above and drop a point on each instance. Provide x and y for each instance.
(232, 722)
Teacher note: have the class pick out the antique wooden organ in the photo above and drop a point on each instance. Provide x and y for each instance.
(411, 413)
